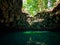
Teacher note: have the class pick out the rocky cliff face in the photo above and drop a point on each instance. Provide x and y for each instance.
(12, 16)
(11, 10)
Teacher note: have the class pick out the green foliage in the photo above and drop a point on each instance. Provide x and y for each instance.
(35, 6)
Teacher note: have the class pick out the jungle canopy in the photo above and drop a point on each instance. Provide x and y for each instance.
(33, 6)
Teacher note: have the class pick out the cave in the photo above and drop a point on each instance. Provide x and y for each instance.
(29, 22)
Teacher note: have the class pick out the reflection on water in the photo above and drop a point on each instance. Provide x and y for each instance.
(35, 32)
(32, 42)
(31, 38)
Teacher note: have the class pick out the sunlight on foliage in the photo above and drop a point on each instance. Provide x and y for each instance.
(32, 7)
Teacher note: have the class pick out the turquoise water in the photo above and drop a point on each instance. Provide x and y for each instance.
(31, 38)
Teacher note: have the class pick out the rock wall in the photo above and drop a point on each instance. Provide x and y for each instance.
(12, 16)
